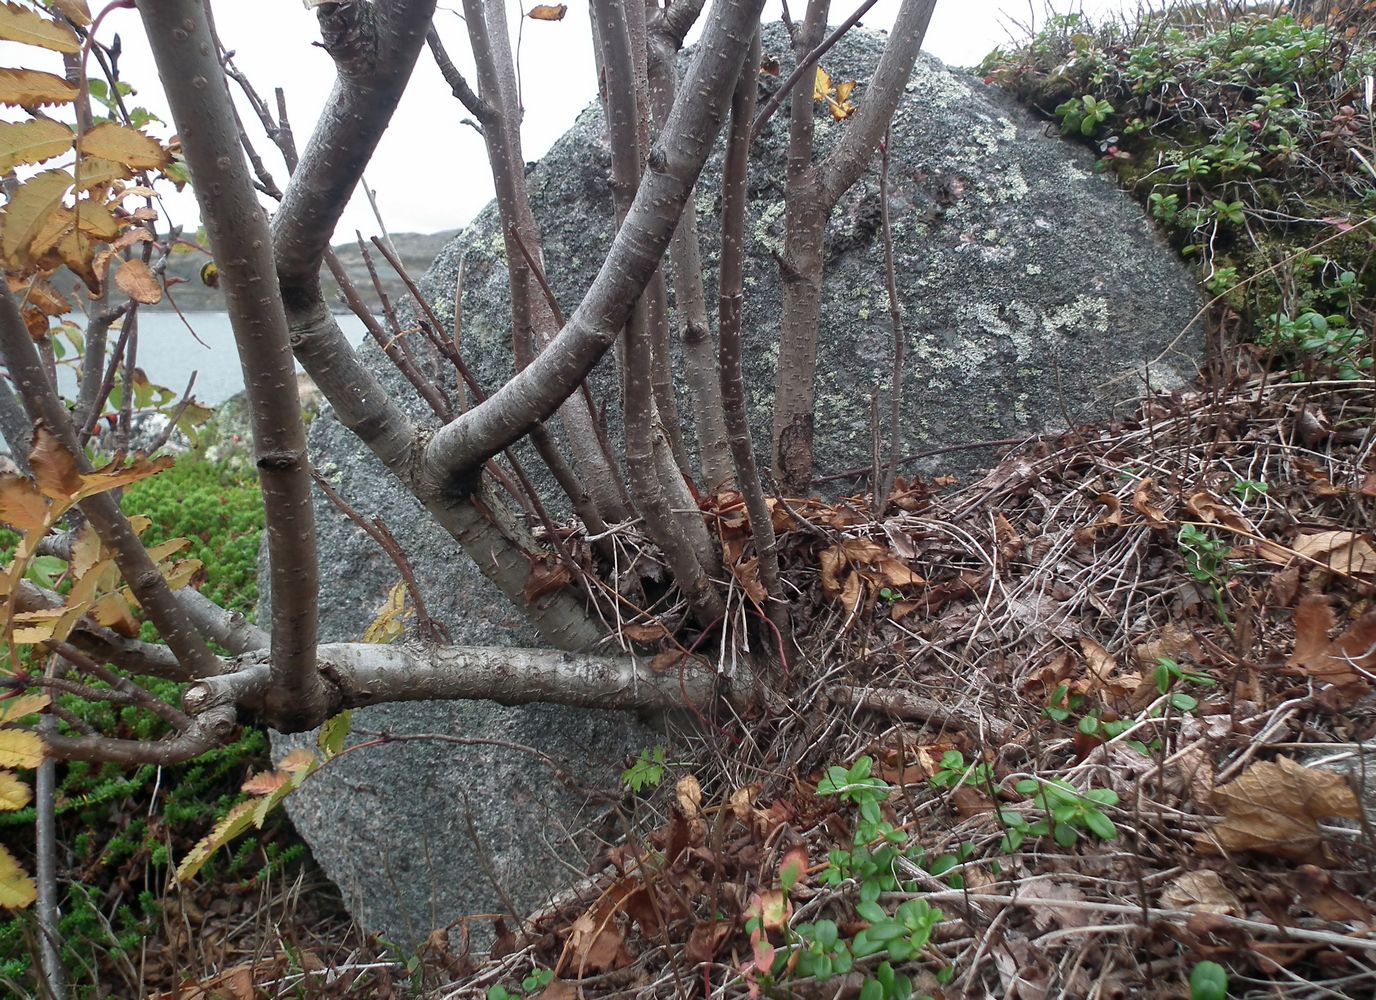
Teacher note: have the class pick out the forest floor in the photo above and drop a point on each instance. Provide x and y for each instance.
(1110, 740)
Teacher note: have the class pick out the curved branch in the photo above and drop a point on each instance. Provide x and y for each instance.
(375, 47)
(674, 164)
(866, 128)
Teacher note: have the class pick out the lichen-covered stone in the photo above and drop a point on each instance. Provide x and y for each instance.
(1029, 286)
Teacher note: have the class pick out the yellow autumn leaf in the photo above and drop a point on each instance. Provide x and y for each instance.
(125, 145)
(14, 793)
(235, 822)
(138, 282)
(30, 208)
(96, 219)
(299, 761)
(117, 474)
(13, 709)
(59, 223)
(47, 625)
(29, 88)
(387, 626)
(76, 10)
(183, 574)
(821, 85)
(22, 143)
(96, 171)
(54, 467)
(113, 611)
(20, 24)
(20, 748)
(22, 507)
(17, 890)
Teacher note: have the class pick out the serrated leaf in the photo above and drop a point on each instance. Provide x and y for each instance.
(54, 467)
(14, 793)
(17, 890)
(334, 732)
(235, 822)
(32, 205)
(21, 505)
(47, 625)
(20, 24)
(137, 281)
(113, 612)
(299, 761)
(125, 145)
(117, 474)
(32, 88)
(12, 709)
(821, 85)
(76, 10)
(20, 748)
(387, 626)
(98, 221)
(96, 171)
(22, 143)
(265, 782)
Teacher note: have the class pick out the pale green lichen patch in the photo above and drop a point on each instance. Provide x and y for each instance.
(1087, 314)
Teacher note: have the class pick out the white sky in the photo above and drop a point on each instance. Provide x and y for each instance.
(430, 172)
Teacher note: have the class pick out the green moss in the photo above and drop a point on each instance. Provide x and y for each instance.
(118, 822)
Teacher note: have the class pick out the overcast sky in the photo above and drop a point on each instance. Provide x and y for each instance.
(430, 172)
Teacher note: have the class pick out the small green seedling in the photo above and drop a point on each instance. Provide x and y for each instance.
(646, 772)
(1208, 981)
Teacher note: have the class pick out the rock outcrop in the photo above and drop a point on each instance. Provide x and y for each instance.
(1034, 293)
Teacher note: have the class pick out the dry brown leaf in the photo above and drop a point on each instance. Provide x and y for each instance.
(1326, 900)
(1203, 891)
(1338, 662)
(645, 633)
(688, 793)
(1274, 808)
(1142, 503)
(137, 281)
(1047, 893)
(595, 944)
(1344, 551)
(548, 12)
(1173, 642)
(1099, 661)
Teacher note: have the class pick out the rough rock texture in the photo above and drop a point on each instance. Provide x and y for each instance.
(1029, 285)
(1032, 288)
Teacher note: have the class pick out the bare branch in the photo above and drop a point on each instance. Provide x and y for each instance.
(865, 129)
(368, 674)
(674, 164)
(375, 47)
(735, 175)
(184, 49)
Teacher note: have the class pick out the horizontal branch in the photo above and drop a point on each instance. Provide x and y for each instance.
(369, 674)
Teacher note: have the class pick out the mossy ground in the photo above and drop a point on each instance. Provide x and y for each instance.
(121, 830)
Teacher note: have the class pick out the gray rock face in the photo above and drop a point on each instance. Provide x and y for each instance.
(1029, 286)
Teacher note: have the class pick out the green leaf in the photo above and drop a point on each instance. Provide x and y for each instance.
(1100, 825)
(871, 911)
(1208, 981)
(1065, 835)
(872, 990)
(334, 732)
(826, 933)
